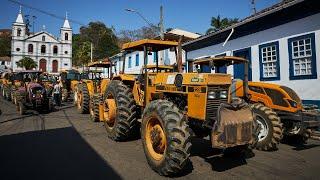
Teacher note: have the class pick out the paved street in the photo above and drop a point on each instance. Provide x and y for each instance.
(65, 144)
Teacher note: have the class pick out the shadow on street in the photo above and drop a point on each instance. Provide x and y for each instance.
(51, 154)
(215, 157)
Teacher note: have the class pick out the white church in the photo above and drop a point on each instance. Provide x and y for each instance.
(51, 54)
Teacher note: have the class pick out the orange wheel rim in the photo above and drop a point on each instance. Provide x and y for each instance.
(110, 110)
(79, 100)
(155, 139)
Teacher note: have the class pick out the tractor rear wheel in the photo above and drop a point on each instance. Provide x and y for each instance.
(64, 95)
(21, 108)
(94, 108)
(271, 130)
(83, 99)
(119, 111)
(165, 137)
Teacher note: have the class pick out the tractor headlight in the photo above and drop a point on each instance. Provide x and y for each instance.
(212, 95)
(223, 94)
(33, 95)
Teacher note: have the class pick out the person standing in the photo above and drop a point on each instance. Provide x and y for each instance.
(57, 93)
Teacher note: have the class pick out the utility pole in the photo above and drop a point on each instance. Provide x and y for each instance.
(161, 26)
(91, 51)
(253, 5)
(33, 18)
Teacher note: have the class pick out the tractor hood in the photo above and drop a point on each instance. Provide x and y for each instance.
(194, 78)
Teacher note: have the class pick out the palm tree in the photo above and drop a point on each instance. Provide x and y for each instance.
(27, 63)
(217, 23)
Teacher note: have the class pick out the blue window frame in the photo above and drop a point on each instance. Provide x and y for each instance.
(154, 57)
(221, 69)
(137, 59)
(269, 61)
(129, 62)
(302, 57)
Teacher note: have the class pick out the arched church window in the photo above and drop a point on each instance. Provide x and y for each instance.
(43, 49)
(66, 36)
(55, 49)
(30, 48)
(43, 38)
(18, 32)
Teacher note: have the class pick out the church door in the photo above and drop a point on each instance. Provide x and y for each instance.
(43, 65)
(54, 66)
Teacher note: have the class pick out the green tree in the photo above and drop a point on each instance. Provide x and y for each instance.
(218, 23)
(84, 53)
(27, 63)
(5, 45)
(125, 36)
(105, 42)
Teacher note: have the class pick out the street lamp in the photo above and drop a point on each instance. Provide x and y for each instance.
(145, 19)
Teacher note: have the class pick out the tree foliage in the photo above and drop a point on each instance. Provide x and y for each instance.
(103, 39)
(218, 23)
(149, 32)
(5, 45)
(27, 63)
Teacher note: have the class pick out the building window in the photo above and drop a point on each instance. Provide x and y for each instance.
(55, 49)
(43, 38)
(269, 61)
(18, 32)
(302, 57)
(137, 59)
(65, 64)
(30, 48)
(66, 36)
(43, 49)
(154, 57)
(129, 62)
(66, 52)
(17, 49)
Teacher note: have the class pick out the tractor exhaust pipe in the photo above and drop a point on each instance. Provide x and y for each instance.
(245, 81)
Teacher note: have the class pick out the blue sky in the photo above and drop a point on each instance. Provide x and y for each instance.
(191, 15)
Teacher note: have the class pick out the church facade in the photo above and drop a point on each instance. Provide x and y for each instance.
(50, 53)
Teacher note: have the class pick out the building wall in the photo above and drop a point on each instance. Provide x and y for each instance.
(63, 56)
(169, 59)
(308, 89)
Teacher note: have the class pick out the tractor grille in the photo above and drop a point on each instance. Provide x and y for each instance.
(213, 104)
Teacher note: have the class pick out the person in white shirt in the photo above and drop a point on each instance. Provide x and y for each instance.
(56, 93)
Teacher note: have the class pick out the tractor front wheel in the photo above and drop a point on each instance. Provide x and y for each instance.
(83, 99)
(165, 137)
(270, 127)
(119, 111)
(94, 108)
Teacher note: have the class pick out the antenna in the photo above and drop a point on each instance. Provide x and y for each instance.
(253, 7)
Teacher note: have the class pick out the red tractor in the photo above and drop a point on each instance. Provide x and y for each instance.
(32, 95)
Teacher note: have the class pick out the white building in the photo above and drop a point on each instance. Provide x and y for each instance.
(281, 42)
(134, 61)
(51, 54)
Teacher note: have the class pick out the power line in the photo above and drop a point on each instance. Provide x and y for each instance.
(45, 12)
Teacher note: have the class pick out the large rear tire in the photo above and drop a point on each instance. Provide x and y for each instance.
(165, 137)
(21, 108)
(94, 108)
(119, 111)
(64, 95)
(270, 133)
(83, 99)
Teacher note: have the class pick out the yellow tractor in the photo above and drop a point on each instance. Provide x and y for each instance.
(278, 109)
(171, 106)
(88, 91)
(297, 123)
(69, 81)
